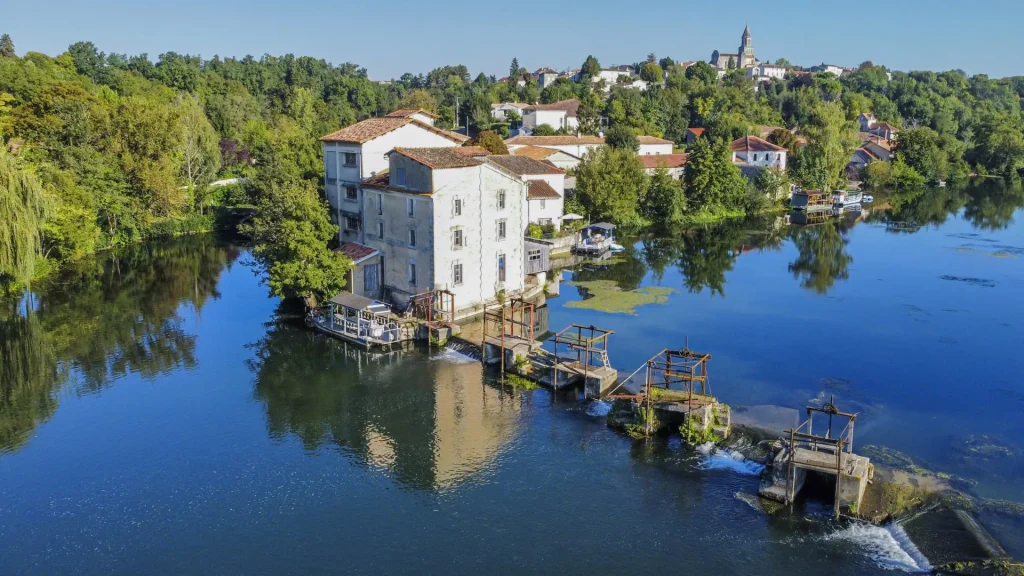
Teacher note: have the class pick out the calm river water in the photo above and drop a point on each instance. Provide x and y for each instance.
(156, 417)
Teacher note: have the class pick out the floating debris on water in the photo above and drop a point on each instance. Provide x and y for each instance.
(606, 296)
(982, 282)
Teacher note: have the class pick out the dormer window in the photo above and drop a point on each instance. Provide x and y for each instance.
(400, 177)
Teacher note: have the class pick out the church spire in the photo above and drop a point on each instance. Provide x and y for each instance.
(746, 31)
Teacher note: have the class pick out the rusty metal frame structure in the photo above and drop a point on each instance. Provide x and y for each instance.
(425, 304)
(504, 318)
(586, 341)
(813, 441)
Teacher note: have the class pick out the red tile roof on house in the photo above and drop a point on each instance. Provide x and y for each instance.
(439, 158)
(407, 112)
(524, 165)
(652, 161)
(653, 140)
(554, 140)
(570, 107)
(371, 128)
(696, 131)
(754, 144)
(539, 189)
(535, 152)
(356, 252)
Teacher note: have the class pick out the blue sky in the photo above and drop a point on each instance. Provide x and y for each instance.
(397, 36)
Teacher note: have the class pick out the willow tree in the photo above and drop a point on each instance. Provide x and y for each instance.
(23, 209)
(831, 140)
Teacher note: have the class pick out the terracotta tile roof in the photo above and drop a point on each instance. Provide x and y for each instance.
(535, 152)
(652, 161)
(652, 140)
(539, 189)
(568, 106)
(371, 128)
(884, 125)
(524, 165)
(407, 112)
(554, 140)
(439, 158)
(356, 252)
(471, 151)
(754, 144)
(696, 131)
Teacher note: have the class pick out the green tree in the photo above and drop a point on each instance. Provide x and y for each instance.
(919, 149)
(591, 68)
(622, 137)
(610, 184)
(711, 179)
(703, 72)
(784, 138)
(200, 150)
(290, 233)
(543, 130)
(664, 203)
(831, 140)
(24, 207)
(7, 47)
(513, 71)
(651, 72)
(489, 141)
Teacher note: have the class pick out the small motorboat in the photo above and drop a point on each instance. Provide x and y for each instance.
(867, 199)
(613, 247)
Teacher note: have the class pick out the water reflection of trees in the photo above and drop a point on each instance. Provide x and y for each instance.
(100, 319)
(988, 204)
(430, 424)
(822, 257)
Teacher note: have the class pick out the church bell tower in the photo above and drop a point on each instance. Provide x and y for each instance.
(746, 50)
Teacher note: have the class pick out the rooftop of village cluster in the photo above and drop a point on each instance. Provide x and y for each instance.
(754, 144)
(536, 152)
(652, 161)
(362, 132)
(524, 165)
(540, 190)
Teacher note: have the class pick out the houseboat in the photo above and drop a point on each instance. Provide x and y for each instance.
(810, 200)
(842, 198)
(356, 319)
(597, 239)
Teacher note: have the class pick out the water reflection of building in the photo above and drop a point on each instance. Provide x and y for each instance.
(430, 423)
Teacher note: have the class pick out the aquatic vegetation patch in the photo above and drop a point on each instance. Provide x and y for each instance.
(517, 381)
(983, 447)
(998, 253)
(606, 296)
(982, 282)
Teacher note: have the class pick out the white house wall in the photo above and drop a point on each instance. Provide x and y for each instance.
(654, 149)
(547, 208)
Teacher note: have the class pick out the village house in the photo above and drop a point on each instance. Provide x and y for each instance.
(611, 75)
(652, 146)
(545, 77)
(692, 134)
(444, 219)
(831, 68)
(498, 110)
(766, 72)
(414, 113)
(673, 163)
(751, 151)
(556, 157)
(358, 152)
(545, 198)
(870, 125)
(558, 115)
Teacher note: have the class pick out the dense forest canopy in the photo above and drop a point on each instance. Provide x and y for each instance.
(106, 149)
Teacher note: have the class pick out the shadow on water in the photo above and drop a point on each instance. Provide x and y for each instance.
(100, 319)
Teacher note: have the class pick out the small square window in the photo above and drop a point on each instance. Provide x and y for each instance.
(457, 239)
(350, 158)
(457, 274)
(533, 255)
(400, 177)
(351, 223)
(350, 192)
(457, 207)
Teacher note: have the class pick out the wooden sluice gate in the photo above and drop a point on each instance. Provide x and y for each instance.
(509, 341)
(808, 453)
